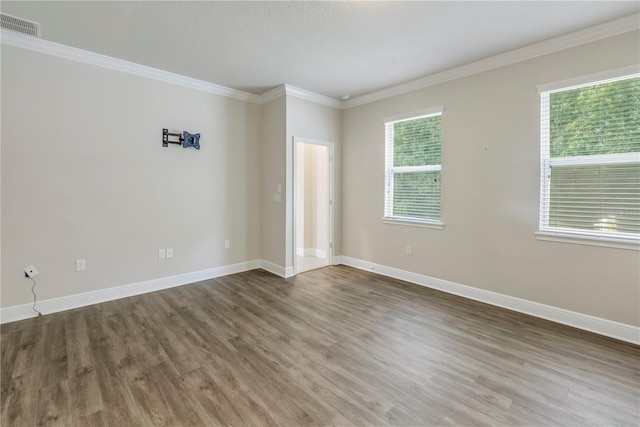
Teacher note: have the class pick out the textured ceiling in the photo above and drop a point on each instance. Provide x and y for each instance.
(331, 48)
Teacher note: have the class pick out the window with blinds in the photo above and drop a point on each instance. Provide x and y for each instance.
(590, 160)
(413, 167)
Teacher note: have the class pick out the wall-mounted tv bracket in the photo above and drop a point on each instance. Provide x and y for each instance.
(185, 139)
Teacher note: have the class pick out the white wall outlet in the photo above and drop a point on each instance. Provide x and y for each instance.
(162, 254)
(80, 265)
(169, 252)
(30, 271)
(227, 245)
(409, 250)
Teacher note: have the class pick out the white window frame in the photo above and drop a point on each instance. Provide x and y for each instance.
(582, 237)
(391, 170)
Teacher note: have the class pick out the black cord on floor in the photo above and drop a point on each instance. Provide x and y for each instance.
(34, 296)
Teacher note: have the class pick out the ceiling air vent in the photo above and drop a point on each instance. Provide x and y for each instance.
(20, 25)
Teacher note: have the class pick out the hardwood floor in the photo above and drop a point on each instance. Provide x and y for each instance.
(334, 346)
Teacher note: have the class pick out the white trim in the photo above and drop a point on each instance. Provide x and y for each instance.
(285, 89)
(314, 252)
(576, 236)
(312, 141)
(609, 328)
(411, 169)
(312, 96)
(289, 272)
(577, 38)
(276, 269)
(591, 79)
(54, 305)
(553, 235)
(11, 38)
(597, 325)
(587, 35)
(390, 171)
(413, 222)
(328, 254)
(272, 94)
(339, 259)
(596, 159)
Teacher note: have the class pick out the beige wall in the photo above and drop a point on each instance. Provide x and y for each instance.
(84, 175)
(312, 211)
(490, 190)
(317, 191)
(273, 174)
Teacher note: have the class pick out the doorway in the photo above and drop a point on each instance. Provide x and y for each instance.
(313, 204)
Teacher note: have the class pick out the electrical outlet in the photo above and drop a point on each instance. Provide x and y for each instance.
(409, 250)
(169, 252)
(227, 245)
(80, 265)
(162, 254)
(30, 271)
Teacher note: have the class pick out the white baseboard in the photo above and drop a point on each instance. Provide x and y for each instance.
(315, 252)
(318, 253)
(339, 259)
(24, 311)
(288, 272)
(609, 328)
(586, 322)
(276, 269)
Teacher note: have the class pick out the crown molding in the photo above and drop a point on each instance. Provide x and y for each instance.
(11, 38)
(312, 96)
(577, 38)
(285, 89)
(272, 94)
(587, 35)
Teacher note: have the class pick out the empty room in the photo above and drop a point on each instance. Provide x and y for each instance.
(350, 213)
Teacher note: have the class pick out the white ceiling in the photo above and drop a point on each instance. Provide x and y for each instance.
(331, 48)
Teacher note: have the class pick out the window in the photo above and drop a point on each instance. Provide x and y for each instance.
(413, 168)
(590, 161)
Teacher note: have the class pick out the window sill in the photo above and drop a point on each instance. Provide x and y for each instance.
(414, 223)
(584, 239)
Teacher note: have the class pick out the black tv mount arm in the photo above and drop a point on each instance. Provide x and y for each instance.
(166, 135)
(185, 139)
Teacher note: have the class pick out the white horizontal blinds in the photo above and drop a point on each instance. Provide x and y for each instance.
(413, 173)
(590, 159)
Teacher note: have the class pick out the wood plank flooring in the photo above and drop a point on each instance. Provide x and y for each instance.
(334, 346)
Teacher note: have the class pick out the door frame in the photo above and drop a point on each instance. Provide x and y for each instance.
(330, 206)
